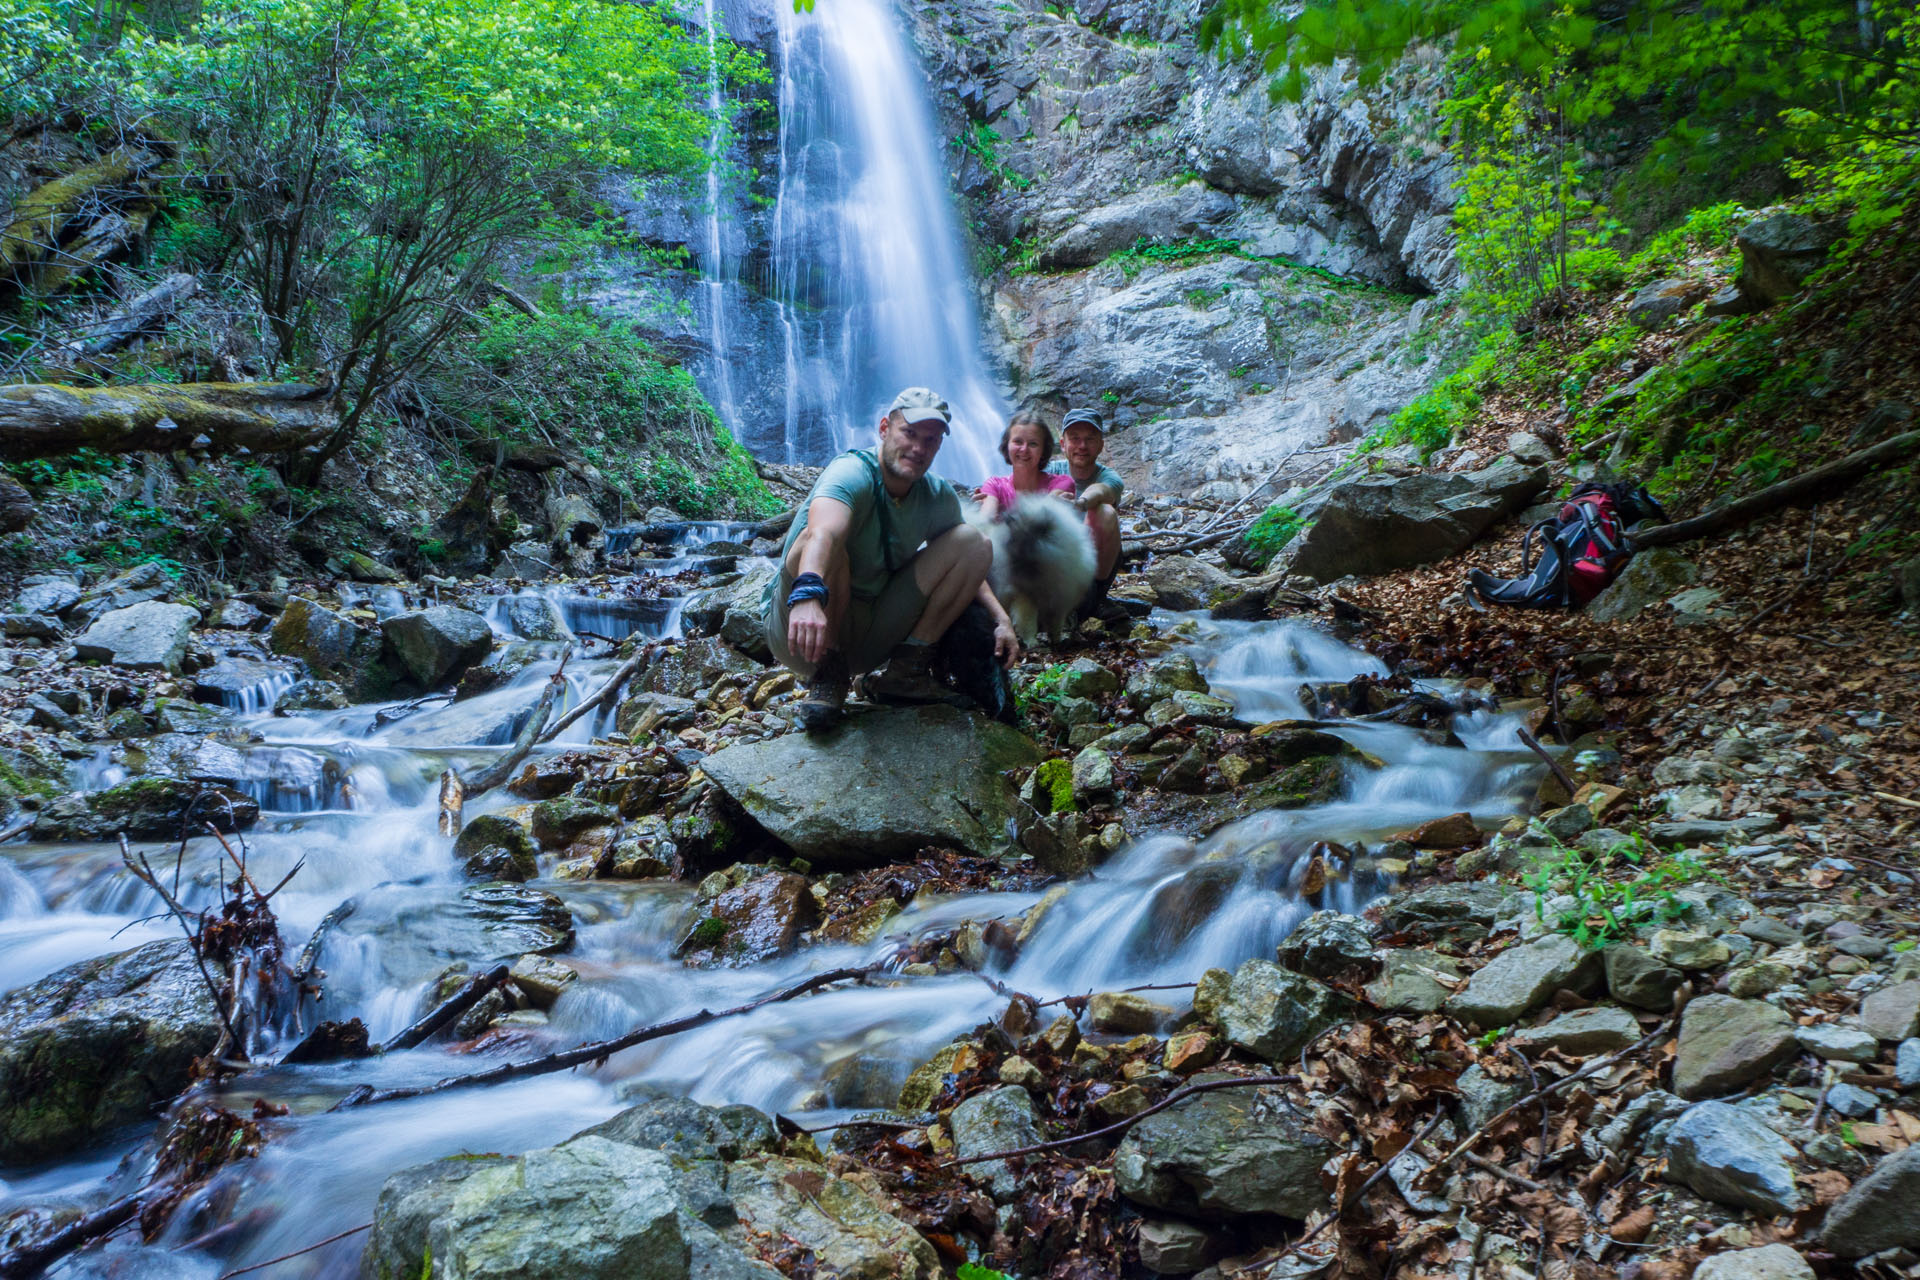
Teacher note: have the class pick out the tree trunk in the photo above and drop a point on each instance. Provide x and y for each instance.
(43, 420)
(64, 227)
(136, 316)
(1802, 489)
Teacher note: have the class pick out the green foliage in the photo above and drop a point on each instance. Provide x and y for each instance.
(1266, 536)
(709, 932)
(1041, 690)
(1605, 908)
(982, 142)
(974, 1271)
(1054, 779)
(1143, 253)
(1431, 420)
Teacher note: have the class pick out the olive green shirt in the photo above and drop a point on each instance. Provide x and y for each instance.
(930, 508)
(1102, 474)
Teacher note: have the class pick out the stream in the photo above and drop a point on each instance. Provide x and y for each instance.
(353, 793)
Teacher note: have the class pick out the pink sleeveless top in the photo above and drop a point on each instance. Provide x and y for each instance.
(1001, 490)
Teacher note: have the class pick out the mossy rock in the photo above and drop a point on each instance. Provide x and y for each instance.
(559, 821)
(492, 833)
(146, 809)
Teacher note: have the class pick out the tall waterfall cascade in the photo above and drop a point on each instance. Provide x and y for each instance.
(867, 268)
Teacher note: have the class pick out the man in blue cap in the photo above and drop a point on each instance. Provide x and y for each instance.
(877, 566)
(1097, 490)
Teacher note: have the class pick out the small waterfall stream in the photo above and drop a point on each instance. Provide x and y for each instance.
(353, 793)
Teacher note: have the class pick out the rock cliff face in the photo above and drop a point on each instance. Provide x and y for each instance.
(1230, 278)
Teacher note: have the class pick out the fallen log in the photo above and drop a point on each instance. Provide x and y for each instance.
(137, 316)
(44, 420)
(72, 222)
(600, 697)
(489, 776)
(600, 1050)
(1801, 490)
(458, 1003)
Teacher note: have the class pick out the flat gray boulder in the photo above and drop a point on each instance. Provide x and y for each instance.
(886, 784)
(1727, 1043)
(1377, 524)
(998, 1120)
(439, 643)
(96, 1045)
(1778, 253)
(850, 1234)
(145, 637)
(732, 610)
(1521, 979)
(1272, 1013)
(1223, 1155)
(1728, 1155)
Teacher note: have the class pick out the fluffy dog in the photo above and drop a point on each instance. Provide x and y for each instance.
(1042, 563)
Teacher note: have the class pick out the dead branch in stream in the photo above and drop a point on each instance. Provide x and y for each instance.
(1121, 1126)
(487, 777)
(452, 1007)
(1560, 774)
(36, 1256)
(600, 1050)
(601, 696)
(138, 867)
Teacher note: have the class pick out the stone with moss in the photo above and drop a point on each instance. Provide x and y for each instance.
(502, 836)
(146, 809)
(332, 647)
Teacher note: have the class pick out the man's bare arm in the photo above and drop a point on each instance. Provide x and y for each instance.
(820, 543)
(1095, 494)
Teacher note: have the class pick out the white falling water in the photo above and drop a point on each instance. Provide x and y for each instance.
(715, 267)
(873, 288)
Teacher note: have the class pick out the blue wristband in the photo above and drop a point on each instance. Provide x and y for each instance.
(808, 586)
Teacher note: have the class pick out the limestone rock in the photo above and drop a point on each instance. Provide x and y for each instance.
(1882, 1211)
(847, 1230)
(1521, 979)
(1465, 911)
(1184, 582)
(1126, 1013)
(1582, 1032)
(49, 596)
(1649, 578)
(1326, 944)
(145, 637)
(1833, 1043)
(1893, 1013)
(332, 647)
(997, 1120)
(1727, 1155)
(1636, 978)
(1778, 253)
(96, 1045)
(1662, 300)
(759, 920)
(1413, 981)
(733, 611)
(1171, 1247)
(1769, 1262)
(1223, 1155)
(561, 820)
(437, 644)
(1272, 1014)
(145, 809)
(885, 784)
(1726, 1043)
(1377, 524)
(1483, 1096)
(511, 849)
(681, 1127)
(690, 668)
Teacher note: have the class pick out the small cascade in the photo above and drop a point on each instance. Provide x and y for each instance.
(873, 287)
(258, 697)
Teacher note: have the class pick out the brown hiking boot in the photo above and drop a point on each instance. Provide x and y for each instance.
(908, 677)
(826, 698)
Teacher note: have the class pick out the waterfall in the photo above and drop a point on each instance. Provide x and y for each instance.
(716, 269)
(873, 288)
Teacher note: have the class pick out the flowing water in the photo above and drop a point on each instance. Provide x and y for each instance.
(873, 287)
(352, 795)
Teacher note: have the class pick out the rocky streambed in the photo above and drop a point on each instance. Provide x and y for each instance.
(1182, 872)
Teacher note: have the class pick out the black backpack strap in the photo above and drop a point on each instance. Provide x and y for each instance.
(881, 505)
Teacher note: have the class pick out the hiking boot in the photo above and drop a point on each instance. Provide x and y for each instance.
(826, 698)
(908, 677)
(1111, 613)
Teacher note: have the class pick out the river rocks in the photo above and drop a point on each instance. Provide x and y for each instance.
(1184, 582)
(1662, 300)
(1636, 978)
(1581, 1033)
(1463, 911)
(137, 585)
(1085, 678)
(495, 848)
(48, 596)
(1769, 1262)
(1326, 944)
(1882, 1211)
(1650, 577)
(1272, 1014)
(1892, 1013)
(1726, 1043)
(1727, 1154)
(1832, 1043)
(1521, 979)
(1223, 1155)
(332, 647)
(145, 809)
(847, 1231)
(1484, 1096)
(145, 637)
(1778, 253)
(682, 1127)
(1126, 1013)
(1164, 677)
(733, 612)
(437, 644)
(562, 820)
(588, 1209)
(507, 920)
(1413, 981)
(230, 681)
(885, 784)
(535, 617)
(1171, 1247)
(312, 695)
(96, 1045)
(690, 668)
(1377, 524)
(996, 1120)
(751, 922)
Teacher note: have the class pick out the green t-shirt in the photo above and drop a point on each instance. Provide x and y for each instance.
(1102, 474)
(930, 508)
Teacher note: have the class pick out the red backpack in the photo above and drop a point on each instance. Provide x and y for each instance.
(1582, 549)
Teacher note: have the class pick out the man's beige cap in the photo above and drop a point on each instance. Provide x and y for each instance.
(918, 404)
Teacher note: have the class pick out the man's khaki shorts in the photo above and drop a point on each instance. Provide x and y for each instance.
(868, 629)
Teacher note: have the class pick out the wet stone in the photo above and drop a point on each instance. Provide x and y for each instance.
(1272, 1013)
(997, 1120)
(1726, 1043)
(1521, 979)
(1581, 1033)
(1223, 1155)
(1413, 981)
(1326, 944)
(1126, 1012)
(1728, 1155)
(1881, 1212)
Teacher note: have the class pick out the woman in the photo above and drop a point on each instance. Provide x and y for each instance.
(1027, 446)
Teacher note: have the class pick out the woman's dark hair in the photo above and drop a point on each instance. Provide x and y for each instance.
(1028, 418)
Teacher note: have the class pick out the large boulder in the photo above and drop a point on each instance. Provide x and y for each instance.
(244, 684)
(1223, 1155)
(884, 785)
(848, 1232)
(1881, 1212)
(1728, 1155)
(146, 809)
(437, 644)
(96, 1045)
(1184, 582)
(1649, 578)
(141, 583)
(733, 610)
(496, 848)
(1158, 215)
(146, 637)
(1778, 253)
(1377, 524)
(1272, 1013)
(333, 647)
(690, 668)
(1727, 1043)
(588, 1209)
(48, 595)
(998, 1120)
